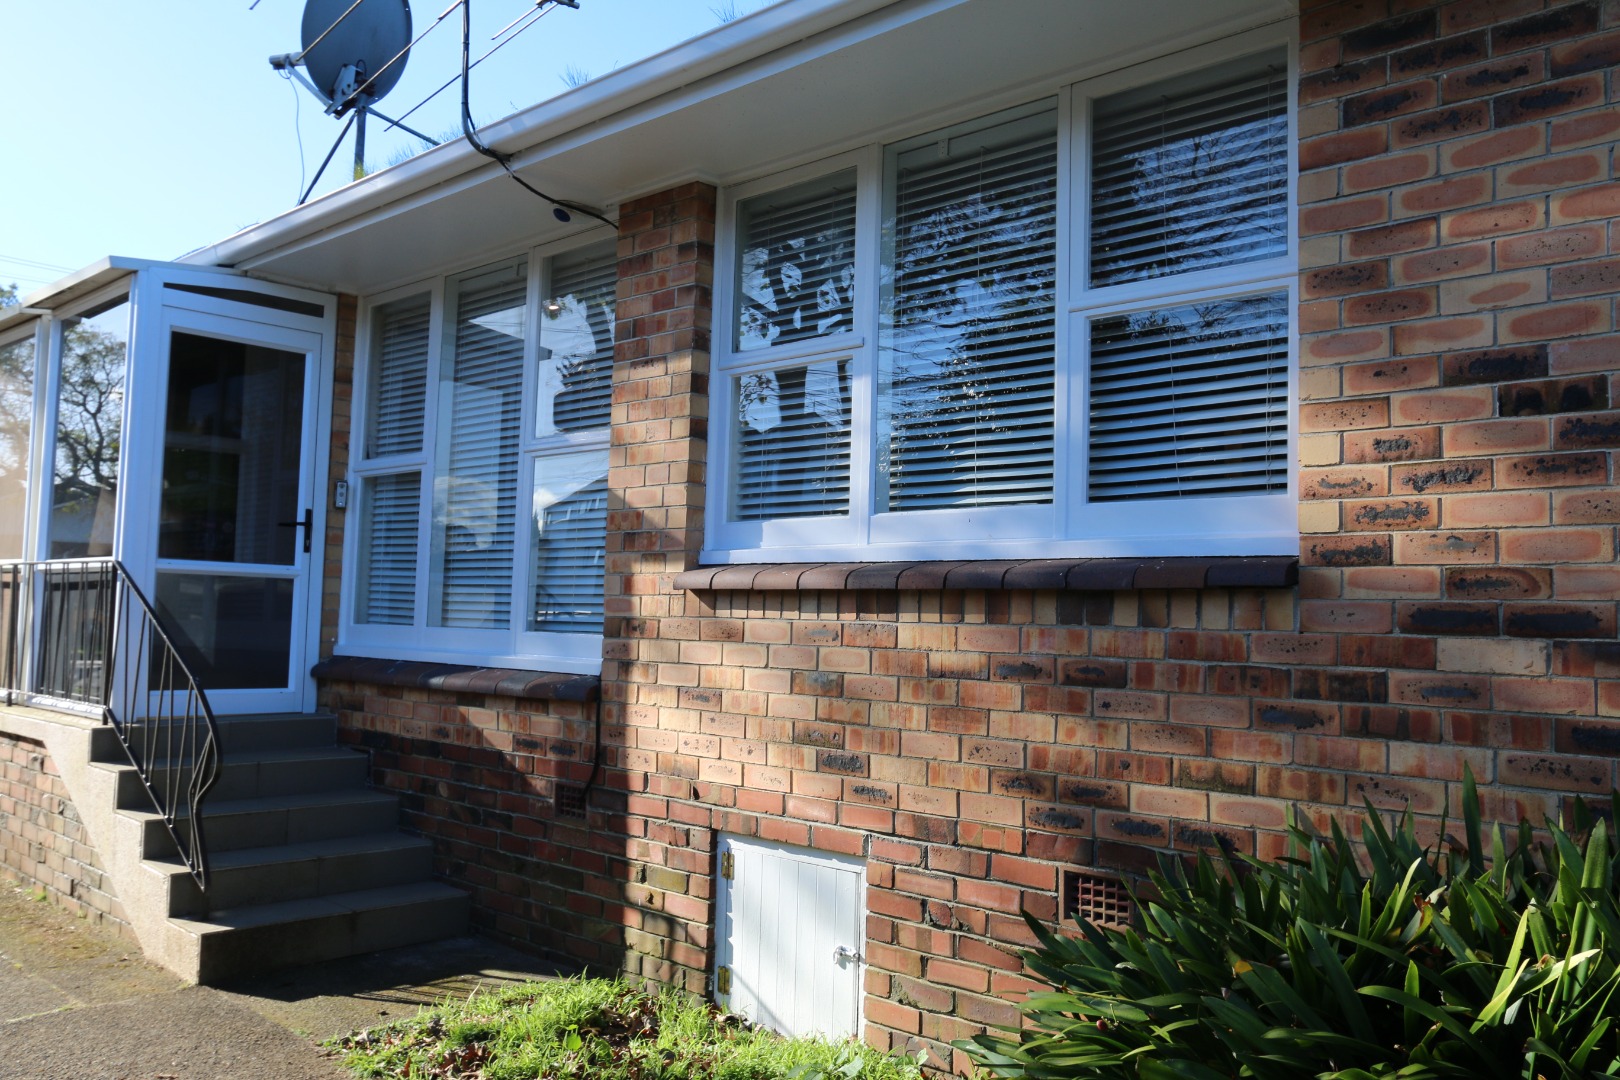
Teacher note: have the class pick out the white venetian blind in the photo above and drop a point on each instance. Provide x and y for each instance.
(792, 438)
(576, 326)
(1190, 401)
(968, 359)
(1191, 172)
(392, 509)
(477, 488)
(568, 543)
(796, 279)
(397, 401)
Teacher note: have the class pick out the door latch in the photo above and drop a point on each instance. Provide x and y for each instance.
(843, 954)
(307, 524)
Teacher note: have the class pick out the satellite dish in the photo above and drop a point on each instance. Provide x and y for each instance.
(344, 48)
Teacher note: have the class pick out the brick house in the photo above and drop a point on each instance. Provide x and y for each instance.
(989, 450)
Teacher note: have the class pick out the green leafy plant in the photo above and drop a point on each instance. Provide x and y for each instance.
(603, 1029)
(1472, 958)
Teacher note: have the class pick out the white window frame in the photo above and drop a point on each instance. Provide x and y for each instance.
(47, 393)
(1068, 526)
(514, 646)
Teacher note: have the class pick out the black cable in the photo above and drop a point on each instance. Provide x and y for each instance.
(448, 82)
(562, 206)
(596, 759)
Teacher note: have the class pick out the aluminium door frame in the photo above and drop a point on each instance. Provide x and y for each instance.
(160, 310)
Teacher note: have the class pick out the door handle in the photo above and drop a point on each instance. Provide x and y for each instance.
(307, 524)
(844, 953)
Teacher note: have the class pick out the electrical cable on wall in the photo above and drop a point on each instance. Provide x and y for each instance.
(560, 207)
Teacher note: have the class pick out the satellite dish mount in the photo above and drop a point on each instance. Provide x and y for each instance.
(354, 52)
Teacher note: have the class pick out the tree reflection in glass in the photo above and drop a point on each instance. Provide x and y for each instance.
(89, 428)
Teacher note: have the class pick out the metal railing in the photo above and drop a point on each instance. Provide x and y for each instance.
(79, 635)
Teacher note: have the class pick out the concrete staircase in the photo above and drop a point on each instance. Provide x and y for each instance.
(305, 862)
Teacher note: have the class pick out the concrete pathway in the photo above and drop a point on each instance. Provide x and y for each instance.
(77, 1002)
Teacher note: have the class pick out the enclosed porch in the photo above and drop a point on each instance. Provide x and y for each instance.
(164, 433)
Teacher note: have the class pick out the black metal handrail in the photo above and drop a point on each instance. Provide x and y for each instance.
(79, 634)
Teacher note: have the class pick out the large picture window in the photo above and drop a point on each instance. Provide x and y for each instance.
(482, 466)
(1062, 328)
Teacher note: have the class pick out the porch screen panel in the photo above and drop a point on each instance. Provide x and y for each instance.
(569, 519)
(475, 499)
(796, 276)
(397, 401)
(576, 341)
(16, 426)
(1191, 173)
(967, 365)
(392, 508)
(1190, 401)
(89, 427)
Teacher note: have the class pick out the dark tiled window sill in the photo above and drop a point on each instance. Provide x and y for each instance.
(456, 678)
(1249, 572)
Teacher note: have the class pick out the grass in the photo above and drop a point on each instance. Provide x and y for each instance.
(604, 1029)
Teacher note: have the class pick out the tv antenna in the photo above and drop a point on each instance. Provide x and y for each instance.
(354, 52)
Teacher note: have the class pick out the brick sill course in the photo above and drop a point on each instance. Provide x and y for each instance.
(457, 678)
(1248, 572)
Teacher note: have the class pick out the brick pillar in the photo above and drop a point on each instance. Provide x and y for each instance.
(337, 469)
(654, 531)
(1457, 374)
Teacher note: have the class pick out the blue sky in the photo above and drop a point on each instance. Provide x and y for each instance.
(150, 129)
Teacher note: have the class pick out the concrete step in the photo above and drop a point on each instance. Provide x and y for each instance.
(229, 825)
(257, 775)
(298, 871)
(263, 937)
(242, 735)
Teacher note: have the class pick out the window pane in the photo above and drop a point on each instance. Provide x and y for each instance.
(232, 452)
(233, 632)
(576, 342)
(89, 424)
(792, 438)
(16, 423)
(796, 278)
(475, 493)
(569, 519)
(391, 507)
(1191, 172)
(967, 358)
(397, 400)
(1191, 400)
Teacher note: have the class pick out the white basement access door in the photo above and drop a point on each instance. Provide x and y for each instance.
(791, 928)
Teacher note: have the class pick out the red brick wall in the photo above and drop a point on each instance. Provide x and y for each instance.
(43, 842)
(1456, 605)
(1458, 363)
(654, 530)
(477, 774)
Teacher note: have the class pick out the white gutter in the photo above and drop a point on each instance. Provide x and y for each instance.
(723, 48)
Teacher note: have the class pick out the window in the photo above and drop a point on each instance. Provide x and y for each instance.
(16, 424)
(93, 347)
(481, 466)
(1061, 329)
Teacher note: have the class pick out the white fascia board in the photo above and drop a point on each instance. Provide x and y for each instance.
(455, 165)
(65, 290)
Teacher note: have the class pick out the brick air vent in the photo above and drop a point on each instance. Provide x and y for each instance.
(1097, 898)
(570, 801)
